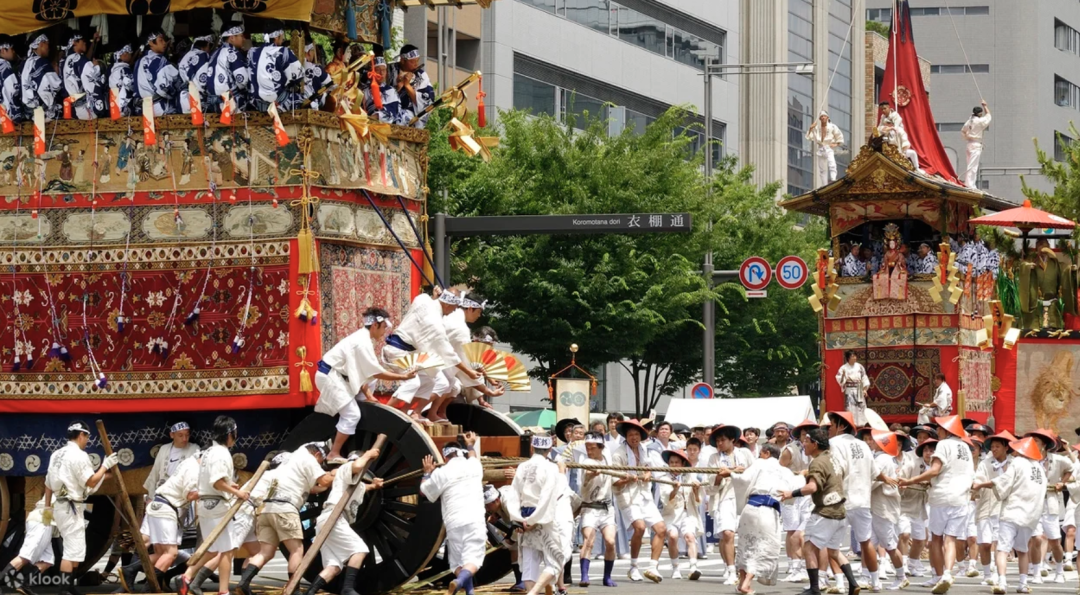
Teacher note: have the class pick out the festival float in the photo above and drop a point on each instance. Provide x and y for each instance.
(159, 269)
(995, 315)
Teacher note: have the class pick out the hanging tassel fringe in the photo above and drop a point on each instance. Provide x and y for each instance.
(193, 317)
(120, 322)
(102, 382)
(15, 367)
(54, 351)
(481, 113)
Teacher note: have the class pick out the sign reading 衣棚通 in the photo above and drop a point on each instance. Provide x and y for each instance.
(573, 224)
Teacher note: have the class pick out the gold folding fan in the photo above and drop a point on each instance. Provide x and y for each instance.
(491, 361)
(420, 361)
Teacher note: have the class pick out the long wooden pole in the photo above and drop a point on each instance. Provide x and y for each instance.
(335, 514)
(224, 523)
(125, 500)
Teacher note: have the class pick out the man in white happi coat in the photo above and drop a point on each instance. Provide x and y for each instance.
(633, 494)
(278, 522)
(988, 504)
(1021, 487)
(794, 513)
(216, 485)
(757, 492)
(169, 457)
(827, 136)
(345, 370)
(343, 547)
(681, 510)
(459, 487)
(885, 502)
(941, 405)
(539, 484)
(422, 330)
(892, 126)
(855, 462)
(470, 306)
(166, 515)
(597, 510)
(497, 505)
(1058, 469)
(951, 473)
(35, 556)
(854, 381)
(71, 479)
(723, 504)
(122, 86)
(973, 133)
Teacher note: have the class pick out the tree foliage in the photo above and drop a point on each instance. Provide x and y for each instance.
(1064, 175)
(632, 299)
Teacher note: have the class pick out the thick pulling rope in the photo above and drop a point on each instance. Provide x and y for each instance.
(967, 63)
(839, 57)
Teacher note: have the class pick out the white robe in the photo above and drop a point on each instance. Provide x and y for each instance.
(539, 484)
(167, 461)
(459, 487)
(854, 383)
(354, 358)
(759, 526)
(295, 479)
(422, 327)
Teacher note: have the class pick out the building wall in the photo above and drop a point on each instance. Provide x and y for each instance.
(1015, 41)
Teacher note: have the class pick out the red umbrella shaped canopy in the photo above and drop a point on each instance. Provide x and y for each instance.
(1026, 217)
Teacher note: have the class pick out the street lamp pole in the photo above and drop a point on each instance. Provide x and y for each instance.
(713, 67)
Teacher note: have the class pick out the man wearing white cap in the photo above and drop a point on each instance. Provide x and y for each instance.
(459, 487)
(83, 79)
(345, 369)
(343, 547)
(41, 86)
(276, 74)
(156, 78)
(539, 485)
(71, 479)
(122, 82)
(230, 74)
(10, 87)
(597, 511)
(827, 136)
(412, 83)
(279, 521)
(317, 82)
(194, 68)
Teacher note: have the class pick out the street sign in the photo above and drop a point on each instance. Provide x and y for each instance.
(750, 293)
(791, 272)
(755, 273)
(569, 224)
(702, 391)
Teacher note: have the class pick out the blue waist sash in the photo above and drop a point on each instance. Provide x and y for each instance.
(764, 500)
(526, 511)
(395, 341)
(324, 367)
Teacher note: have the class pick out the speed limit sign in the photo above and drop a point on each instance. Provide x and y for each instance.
(791, 272)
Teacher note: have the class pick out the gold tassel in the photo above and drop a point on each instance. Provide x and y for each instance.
(304, 243)
(305, 375)
(428, 258)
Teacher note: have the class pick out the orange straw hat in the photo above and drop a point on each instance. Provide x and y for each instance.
(848, 418)
(954, 426)
(887, 441)
(806, 424)
(1027, 447)
(1004, 435)
(1048, 437)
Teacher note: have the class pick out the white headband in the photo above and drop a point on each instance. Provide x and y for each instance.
(275, 34)
(40, 39)
(309, 47)
(451, 449)
(5, 46)
(320, 446)
(490, 494)
(202, 38)
(79, 426)
(542, 442)
(380, 61)
(237, 30)
(124, 50)
(153, 36)
(594, 439)
(448, 298)
(370, 320)
(280, 458)
(179, 427)
(71, 42)
(469, 303)
(409, 55)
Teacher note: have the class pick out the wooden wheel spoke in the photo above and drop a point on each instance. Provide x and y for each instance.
(394, 493)
(389, 463)
(393, 520)
(392, 537)
(401, 506)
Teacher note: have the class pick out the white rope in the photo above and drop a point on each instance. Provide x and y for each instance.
(967, 63)
(825, 99)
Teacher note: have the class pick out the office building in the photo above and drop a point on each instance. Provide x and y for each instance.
(1025, 58)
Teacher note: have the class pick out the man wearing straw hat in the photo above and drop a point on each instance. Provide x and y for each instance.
(722, 501)
(458, 486)
(988, 504)
(1058, 470)
(885, 503)
(634, 497)
(1021, 488)
(951, 474)
(794, 513)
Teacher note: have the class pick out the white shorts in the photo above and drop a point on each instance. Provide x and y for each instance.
(1069, 518)
(1048, 527)
(885, 534)
(725, 518)
(950, 520)
(597, 518)
(684, 524)
(341, 544)
(795, 515)
(72, 528)
(644, 509)
(826, 533)
(916, 528)
(988, 530)
(37, 544)
(531, 561)
(1013, 537)
(226, 542)
(243, 528)
(421, 386)
(861, 524)
(973, 527)
(466, 545)
(162, 530)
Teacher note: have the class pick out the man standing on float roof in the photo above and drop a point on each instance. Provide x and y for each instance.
(973, 133)
(827, 136)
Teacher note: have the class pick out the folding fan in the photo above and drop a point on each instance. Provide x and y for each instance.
(516, 373)
(491, 361)
(420, 361)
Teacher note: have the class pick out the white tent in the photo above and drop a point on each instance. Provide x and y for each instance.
(761, 412)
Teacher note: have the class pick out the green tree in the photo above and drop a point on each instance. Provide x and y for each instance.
(1064, 175)
(632, 299)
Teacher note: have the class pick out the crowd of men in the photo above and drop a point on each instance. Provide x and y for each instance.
(920, 259)
(972, 499)
(207, 73)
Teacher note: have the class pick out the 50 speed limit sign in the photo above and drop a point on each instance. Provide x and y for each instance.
(791, 272)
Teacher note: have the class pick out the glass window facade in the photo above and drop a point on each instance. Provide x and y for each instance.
(1059, 152)
(949, 126)
(534, 95)
(642, 30)
(1066, 94)
(959, 69)
(881, 15)
(840, 15)
(582, 108)
(800, 105)
(1066, 38)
